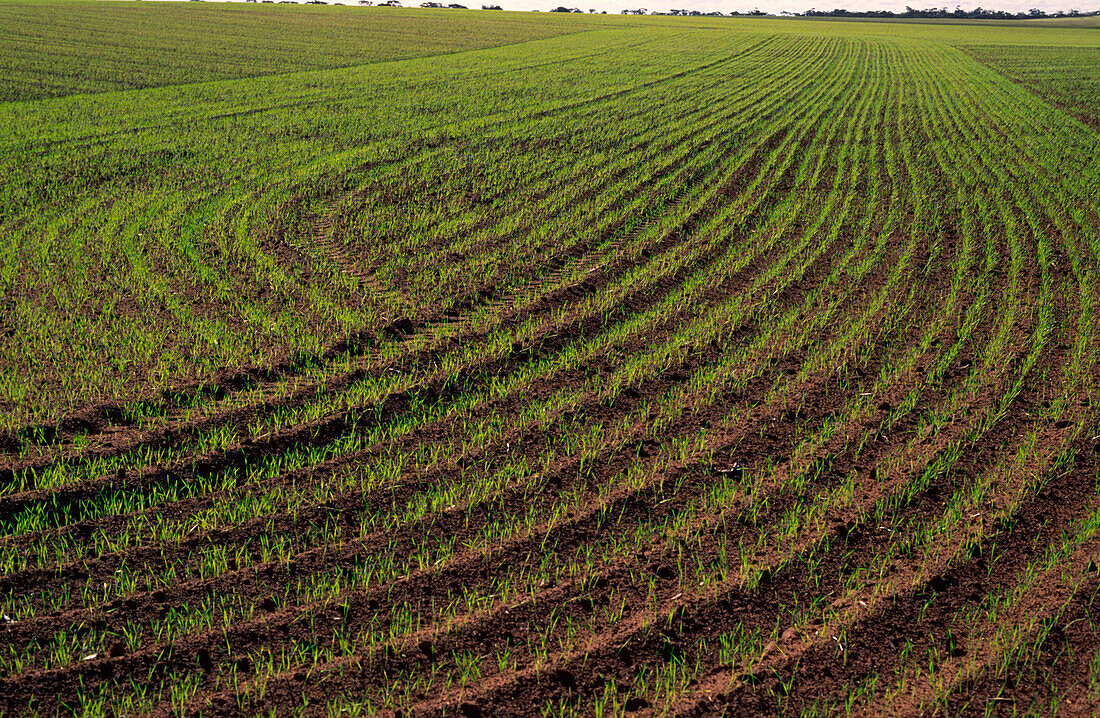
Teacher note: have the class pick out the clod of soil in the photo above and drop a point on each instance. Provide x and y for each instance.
(665, 573)
(470, 710)
(202, 656)
(566, 679)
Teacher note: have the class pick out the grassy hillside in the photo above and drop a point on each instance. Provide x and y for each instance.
(666, 367)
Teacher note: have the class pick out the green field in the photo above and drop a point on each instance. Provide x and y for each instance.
(58, 47)
(414, 362)
(1068, 77)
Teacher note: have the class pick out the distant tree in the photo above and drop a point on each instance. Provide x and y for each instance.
(456, 6)
(491, 7)
(431, 4)
(977, 13)
(366, 3)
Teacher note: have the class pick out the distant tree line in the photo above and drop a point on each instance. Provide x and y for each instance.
(958, 13)
(943, 13)
(691, 13)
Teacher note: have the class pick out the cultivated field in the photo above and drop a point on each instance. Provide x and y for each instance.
(587, 366)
